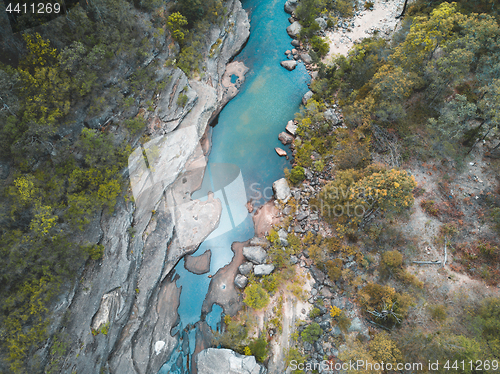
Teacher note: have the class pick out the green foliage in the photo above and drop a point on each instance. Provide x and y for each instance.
(175, 23)
(233, 336)
(319, 46)
(293, 354)
(135, 125)
(256, 297)
(258, 347)
(315, 312)
(297, 175)
(182, 100)
(311, 333)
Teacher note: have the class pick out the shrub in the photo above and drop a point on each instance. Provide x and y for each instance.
(297, 175)
(319, 46)
(182, 100)
(315, 312)
(311, 333)
(438, 312)
(369, 5)
(343, 321)
(256, 297)
(259, 348)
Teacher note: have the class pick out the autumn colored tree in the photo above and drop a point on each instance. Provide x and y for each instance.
(175, 23)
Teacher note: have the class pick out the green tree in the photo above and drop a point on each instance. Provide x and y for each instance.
(255, 296)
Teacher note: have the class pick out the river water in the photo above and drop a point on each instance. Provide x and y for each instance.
(243, 141)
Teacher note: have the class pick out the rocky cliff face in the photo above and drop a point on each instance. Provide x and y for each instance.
(130, 299)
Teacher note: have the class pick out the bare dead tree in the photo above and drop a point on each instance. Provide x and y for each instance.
(404, 10)
(384, 313)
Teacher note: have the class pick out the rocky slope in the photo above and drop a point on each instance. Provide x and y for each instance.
(120, 314)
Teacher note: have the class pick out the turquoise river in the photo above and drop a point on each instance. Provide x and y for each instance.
(245, 137)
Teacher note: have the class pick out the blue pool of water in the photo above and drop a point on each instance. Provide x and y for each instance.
(245, 136)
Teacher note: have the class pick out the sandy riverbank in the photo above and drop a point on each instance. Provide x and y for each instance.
(382, 18)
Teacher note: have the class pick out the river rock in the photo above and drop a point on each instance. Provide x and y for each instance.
(280, 152)
(245, 268)
(294, 29)
(257, 255)
(332, 117)
(321, 22)
(217, 361)
(302, 215)
(285, 138)
(263, 269)
(289, 64)
(294, 51)
(290, 6)
(295, 43)
(283, 235)
(291, 127)
(306, 58)
(198, 264)
(287, 52)
(240, 281)
(307, 96)
(281, 190)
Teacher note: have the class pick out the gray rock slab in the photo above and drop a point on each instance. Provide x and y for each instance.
(257, 255)
(281, 190)
(289, 64)
(291, 127)
(198, 264)
(285, 138)
(245, 268)
(240, 281)
(290, 6)
(263, 269)
(226, 361)
(306, 58)
(294, 29)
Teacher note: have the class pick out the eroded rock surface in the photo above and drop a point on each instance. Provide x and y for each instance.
(198, 264)
(218, 361)
(132, 289)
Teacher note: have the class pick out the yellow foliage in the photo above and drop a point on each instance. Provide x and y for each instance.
(335, 311)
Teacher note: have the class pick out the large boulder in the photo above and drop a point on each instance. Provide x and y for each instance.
(289, 64)
(306, 58)
(263, 269)
(290, 6)
(307, 96)
(294, 29)
(285, 138)
(257, 255)
(245, 268)
(291, 127)
(280, 152)
(321, 22)
(240, 281)
(281, 190)
(218, 361)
